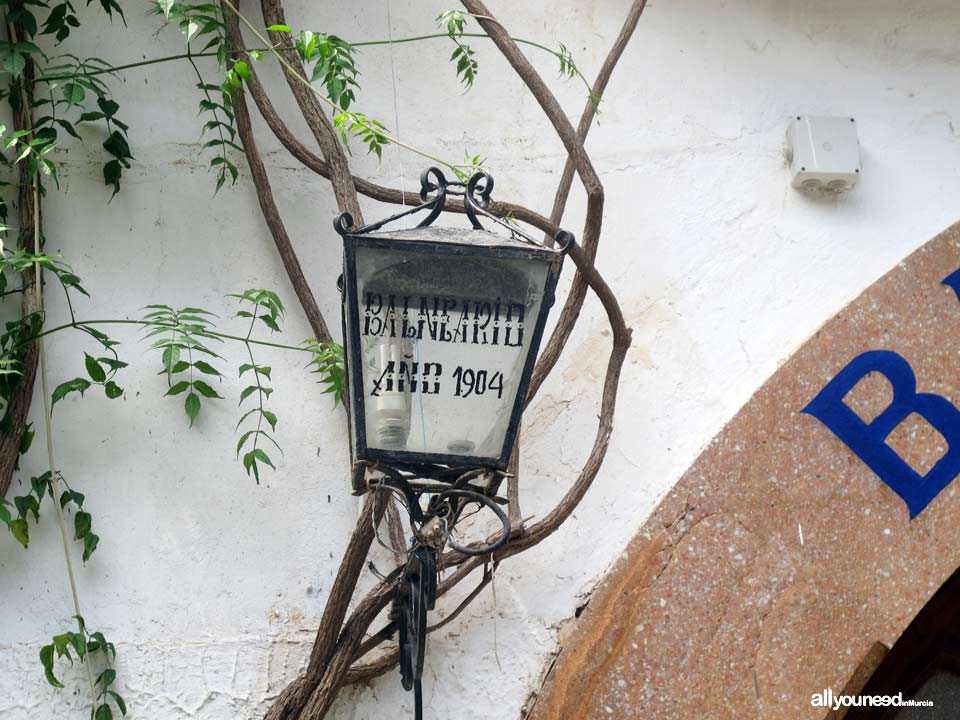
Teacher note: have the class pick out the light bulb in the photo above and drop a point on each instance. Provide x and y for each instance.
(393, 399)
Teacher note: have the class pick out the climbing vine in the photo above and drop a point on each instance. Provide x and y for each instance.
(61, 92)
(265, 306)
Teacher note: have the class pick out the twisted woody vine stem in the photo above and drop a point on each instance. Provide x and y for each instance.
(344, 650)
(342, 643)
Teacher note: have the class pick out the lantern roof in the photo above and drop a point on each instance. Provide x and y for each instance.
(434, 192)
(468, 237)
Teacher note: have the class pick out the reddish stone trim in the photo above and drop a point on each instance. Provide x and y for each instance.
(718, 608)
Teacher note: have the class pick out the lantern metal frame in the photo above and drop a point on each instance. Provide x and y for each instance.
(434, 191)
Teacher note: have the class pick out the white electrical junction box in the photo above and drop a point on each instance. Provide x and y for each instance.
(824, 153)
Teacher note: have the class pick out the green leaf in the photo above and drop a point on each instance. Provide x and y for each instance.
(247, 391)
(117, 146)
(68, 127)
(49, 168)
(96, 373)
(171, 354)
(26, 18)
(112, 363)
(89, 545)
(27, 504)
(98, 642)
(109, 107)
(27, 441)
(72, 496)
(189, 29)
(250, 463)
(243, 439)
(40, 485)
(73, 93)
(20, 531)
(263, 457)
(205, 390)
(270, 323)
(14, 63)
(76, 385)
(109, 6)
(46, 659)
(192, 406)
(27, 48)
(206, 367)
(121, 705)
(112, 172)
(82, 522)
(454, 20)
(70, 280)
(271, 418)
(78, 644)
(242, 69)
(104, 713)
(112, 390)
(106, 678)
(60, 642)
(178, 388)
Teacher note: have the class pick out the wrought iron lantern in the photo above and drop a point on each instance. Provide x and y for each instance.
(441, 330)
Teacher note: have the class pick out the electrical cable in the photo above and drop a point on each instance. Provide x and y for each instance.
(396, 102)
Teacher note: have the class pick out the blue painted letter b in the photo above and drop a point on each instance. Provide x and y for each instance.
(868, 440)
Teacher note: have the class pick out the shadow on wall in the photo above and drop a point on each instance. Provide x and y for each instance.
(924, 664)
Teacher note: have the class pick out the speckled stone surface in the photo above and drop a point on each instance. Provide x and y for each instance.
(779, 559)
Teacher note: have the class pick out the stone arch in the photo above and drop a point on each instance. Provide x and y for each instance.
(787, 552)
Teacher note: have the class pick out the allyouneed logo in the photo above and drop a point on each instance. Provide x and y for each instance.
(828, 699)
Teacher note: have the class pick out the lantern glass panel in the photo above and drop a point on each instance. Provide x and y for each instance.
(444, 339)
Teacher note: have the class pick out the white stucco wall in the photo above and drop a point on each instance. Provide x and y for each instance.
(212, 586)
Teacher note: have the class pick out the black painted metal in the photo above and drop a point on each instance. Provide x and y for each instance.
(476, 200)
(417, 589)
(416, 595)
(445, 478)
(434, 190)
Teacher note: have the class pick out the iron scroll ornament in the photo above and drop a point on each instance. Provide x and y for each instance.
(434, 189)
